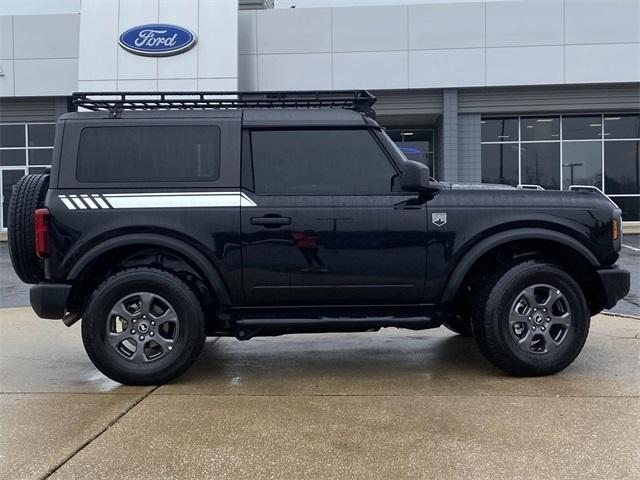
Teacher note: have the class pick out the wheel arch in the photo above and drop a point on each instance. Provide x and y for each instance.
(547, 241)
(197, 260)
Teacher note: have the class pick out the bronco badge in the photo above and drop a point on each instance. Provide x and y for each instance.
(439, 219)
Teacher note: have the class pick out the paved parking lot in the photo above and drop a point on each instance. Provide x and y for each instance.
(393, 404)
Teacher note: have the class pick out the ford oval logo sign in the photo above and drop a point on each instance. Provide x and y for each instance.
(157, 40)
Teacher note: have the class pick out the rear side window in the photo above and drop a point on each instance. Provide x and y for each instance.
(307, 162)
(149, 154)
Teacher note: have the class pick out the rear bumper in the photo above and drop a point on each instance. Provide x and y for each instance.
(616, 283)
(49, 300)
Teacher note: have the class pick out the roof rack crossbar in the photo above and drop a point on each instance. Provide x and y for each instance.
(115, 102)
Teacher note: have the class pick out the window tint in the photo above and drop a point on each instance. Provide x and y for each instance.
(40, 156)
(41, 135)
(12, 157)
(622, 166)
(11, 135)
(544, 128)
(299, 162)
(581, 164)
(581, 128)
(149, 154)
(540, 164)
(630, 207)
(499, 129)
(621, 126)
(500, 164)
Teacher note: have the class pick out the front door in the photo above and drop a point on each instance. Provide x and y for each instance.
(328, 227)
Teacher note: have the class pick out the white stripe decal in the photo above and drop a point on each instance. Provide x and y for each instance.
(157, 200)
(77, 202)
(88, 201)
(100, 201)
(179, 200)
(67, 202)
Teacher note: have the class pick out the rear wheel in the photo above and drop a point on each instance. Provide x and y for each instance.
(28, 195)
(532, 319)
(143, 326)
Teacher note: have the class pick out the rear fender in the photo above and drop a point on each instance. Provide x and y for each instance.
(195, 257)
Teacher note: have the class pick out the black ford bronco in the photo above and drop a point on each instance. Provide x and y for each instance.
(167, 218)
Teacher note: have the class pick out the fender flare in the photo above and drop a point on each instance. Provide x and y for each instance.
(472, 255)
(199, 261)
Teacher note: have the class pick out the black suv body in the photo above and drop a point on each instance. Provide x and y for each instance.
(161, 226)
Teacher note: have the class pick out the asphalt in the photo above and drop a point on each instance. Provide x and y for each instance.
(393, 404)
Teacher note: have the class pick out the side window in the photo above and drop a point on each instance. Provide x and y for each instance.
(149, 154)
(307, 162)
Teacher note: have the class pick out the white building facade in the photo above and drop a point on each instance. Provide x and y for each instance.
(540, 92)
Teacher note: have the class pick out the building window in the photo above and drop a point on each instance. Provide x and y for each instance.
(500, 163)
(602, 150)
(24, 147)
(416, 144)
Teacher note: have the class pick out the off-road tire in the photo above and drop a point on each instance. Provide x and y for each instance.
(28, 195)
(182, 354)
(491, 328)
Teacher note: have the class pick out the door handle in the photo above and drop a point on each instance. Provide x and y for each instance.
(271, 221)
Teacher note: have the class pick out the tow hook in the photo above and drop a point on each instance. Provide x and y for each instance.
(70, 318)
(242, 334)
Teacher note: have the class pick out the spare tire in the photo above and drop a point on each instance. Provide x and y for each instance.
(28, 195)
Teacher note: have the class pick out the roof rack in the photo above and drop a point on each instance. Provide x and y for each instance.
(116, 102)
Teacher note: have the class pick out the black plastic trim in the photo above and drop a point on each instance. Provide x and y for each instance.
(49, 300)
(616, 283)
(198, 260)
(470, 257)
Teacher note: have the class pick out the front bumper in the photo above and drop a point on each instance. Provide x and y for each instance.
(616, 283)
(49, 300)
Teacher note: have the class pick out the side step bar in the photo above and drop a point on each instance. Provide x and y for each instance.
(248, 328)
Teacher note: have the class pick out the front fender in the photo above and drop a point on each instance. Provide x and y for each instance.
(477, 251)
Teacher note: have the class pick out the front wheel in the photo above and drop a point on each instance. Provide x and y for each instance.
(533, 319)
(143, 326)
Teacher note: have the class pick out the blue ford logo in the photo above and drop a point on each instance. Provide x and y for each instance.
(157, 40)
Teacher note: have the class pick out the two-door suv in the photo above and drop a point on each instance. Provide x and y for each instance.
(170, 217)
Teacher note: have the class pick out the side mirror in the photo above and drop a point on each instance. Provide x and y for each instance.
(415, 176)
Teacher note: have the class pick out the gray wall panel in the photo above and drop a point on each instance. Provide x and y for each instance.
(46, 36)
(411, 102)
(550, 99)
(6, 37)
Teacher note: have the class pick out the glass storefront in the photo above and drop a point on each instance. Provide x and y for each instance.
(24, 148)
(556, 152)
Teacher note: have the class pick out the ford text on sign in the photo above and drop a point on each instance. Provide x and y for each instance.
(157, 40)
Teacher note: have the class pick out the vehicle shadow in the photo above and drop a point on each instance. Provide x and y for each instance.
(335, 363)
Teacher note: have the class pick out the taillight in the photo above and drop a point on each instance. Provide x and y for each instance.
(616, 229)
(41, 220)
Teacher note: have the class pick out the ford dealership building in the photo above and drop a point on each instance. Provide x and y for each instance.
(543, 92)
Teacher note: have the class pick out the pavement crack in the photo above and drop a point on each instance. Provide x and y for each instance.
(98, 434)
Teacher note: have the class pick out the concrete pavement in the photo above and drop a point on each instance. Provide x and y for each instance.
(392, 404)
